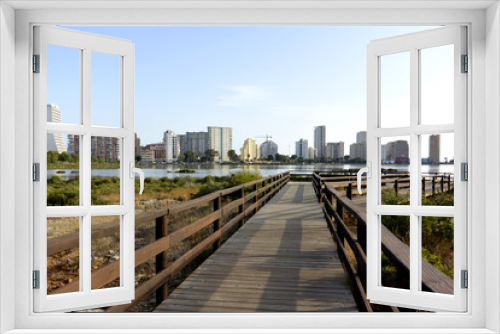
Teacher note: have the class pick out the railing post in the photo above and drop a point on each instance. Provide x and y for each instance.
(161, 230)
(449, 182)
(442, 183)
(433, 185)
(396, 186)
(255, 188)
(217, 207)
(241, 207)
(340, 212)
(423, 185)
(349, 190)
(321, 191)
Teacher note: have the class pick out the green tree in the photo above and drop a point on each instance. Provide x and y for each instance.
(189, 156)
(211, 154)
(52, 157)
(233, 156)
(293, 157)
(64, 157)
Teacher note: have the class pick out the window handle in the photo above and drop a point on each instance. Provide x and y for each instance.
(368, 171)
(139, 171)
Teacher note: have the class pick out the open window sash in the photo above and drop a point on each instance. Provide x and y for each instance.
(417, 296)
(85, 292)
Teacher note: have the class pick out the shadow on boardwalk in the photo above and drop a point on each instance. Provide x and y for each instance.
(282, 260)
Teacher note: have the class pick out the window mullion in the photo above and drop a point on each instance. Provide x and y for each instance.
(85, 178)
(414, 169)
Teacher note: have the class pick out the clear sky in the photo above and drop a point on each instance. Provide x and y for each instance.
(280, 81)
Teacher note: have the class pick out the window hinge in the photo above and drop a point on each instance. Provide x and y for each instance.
(465, 64)
(464, 171)
(465, 279)
(36, 63)
(36, 172)
(36, 279)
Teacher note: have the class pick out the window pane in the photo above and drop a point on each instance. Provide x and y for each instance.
(106, 250)
(63, 85)
(105, 91)
(395, 177)
(395, 252)
(437, 152)
(63, 169)
(395, 90)
(63, 262)
(437, 85)
(438, 251)
(106, 167)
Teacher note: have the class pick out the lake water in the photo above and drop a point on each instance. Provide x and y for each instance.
(202, 170)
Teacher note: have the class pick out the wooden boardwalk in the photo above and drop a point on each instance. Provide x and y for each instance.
(282, 260)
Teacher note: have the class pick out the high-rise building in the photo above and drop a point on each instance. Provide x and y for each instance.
(397, 152)
(312, 153)
(250, 150)
(335, 151)
(107, 148)
(358, 149)
(74, 144)
(268, 148)
(220, 139)
(434, 149)
(197, 142)
(172, 150)
(320, 140)
(361, 137)
(54, 140)
(301, 148)
(182, 144)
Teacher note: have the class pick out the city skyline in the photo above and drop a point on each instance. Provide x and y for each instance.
(246, 78)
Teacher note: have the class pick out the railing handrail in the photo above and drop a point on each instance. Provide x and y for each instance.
(433, 279)
(110, 272)
(71, 240)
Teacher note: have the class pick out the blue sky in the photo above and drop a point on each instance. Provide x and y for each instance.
(280, 81)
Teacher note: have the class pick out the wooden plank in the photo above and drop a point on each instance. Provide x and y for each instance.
(271, 264)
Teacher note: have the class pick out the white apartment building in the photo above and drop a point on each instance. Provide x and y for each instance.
(172, 148)
(312, 153)
(220, 139)
(301, 148)
(54, 140)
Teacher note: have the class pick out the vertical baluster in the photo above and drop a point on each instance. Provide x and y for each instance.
(161, 230)
(217, 222)
(241, 207)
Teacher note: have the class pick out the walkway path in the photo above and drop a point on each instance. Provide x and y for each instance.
(282, 260)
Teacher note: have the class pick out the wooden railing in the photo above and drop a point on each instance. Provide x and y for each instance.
(335, 206)
(436, 182)
(223, 201)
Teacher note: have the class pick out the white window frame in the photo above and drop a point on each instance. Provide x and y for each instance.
(483, 100)
(86, 44)
(413, 43)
